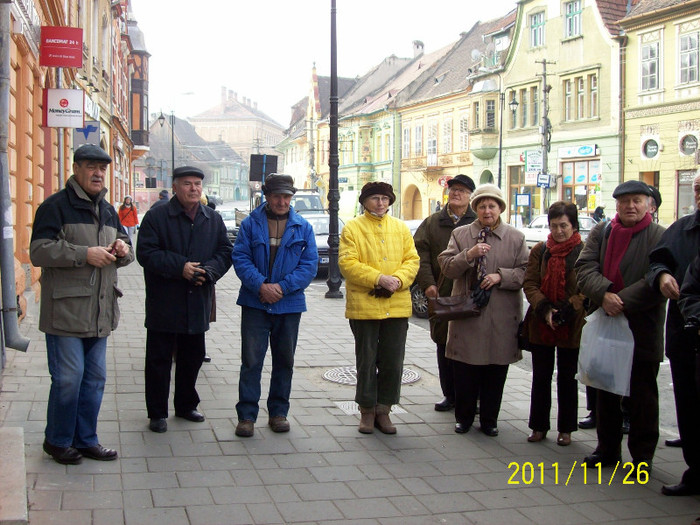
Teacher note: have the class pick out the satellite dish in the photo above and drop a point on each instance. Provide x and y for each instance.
(476, 55)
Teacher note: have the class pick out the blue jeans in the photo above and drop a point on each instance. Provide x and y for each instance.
(78, 373)
(258, 328)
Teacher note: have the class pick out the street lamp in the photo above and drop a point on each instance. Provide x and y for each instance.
(161, 121)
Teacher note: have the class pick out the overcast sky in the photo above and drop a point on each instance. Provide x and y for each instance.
(264, 49)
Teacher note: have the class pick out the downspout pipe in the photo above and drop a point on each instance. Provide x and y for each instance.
(13, 338)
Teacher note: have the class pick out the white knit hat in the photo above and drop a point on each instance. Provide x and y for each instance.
(488, 191)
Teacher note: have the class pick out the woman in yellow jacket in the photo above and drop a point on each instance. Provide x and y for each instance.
(379, 261)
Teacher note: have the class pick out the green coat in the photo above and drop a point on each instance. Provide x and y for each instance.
(431, 238)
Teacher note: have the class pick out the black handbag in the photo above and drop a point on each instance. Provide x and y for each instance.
(452, 307)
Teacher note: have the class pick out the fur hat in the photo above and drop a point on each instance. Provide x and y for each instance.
(377, 188)
(488, 191)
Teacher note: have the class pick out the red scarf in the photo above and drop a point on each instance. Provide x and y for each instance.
(554, 283)
(619, 241)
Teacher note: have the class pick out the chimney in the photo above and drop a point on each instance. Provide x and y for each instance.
(417, 48)
(255, 105)
(223, 94)
(235, 96)
(230, 94)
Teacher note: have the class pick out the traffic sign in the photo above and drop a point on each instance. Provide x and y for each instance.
(543, 180)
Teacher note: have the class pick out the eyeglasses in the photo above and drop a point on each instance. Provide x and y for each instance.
(459, 191)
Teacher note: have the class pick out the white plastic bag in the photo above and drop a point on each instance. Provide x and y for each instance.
(605, 357)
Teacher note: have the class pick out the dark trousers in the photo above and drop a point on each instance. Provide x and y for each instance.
(567, 388)
(446, 372)
(483, 382)
(685, 392)
(189, 350)
(379, 351)
(644, 415)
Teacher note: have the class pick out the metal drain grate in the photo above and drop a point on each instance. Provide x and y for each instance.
(347, 375)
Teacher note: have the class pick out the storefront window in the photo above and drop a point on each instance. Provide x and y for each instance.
(581, 184)
(521, 184)
(686, 198)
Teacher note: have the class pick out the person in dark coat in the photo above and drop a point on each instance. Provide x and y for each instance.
(668, 264)
(431, 238)
(610, 273)
(163, 198)
(184, 250)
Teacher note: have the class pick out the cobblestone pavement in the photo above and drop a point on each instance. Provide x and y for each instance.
(323, 470)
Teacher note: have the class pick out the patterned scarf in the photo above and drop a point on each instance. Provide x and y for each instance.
(619, 241)
(481, 261)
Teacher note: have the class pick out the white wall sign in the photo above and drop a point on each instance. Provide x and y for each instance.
(584, 150)
(64, 108)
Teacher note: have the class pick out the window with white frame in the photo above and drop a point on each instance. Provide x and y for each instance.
(406, 151)
(431, 143)
(477, 114)
(593, 96)
(537, 29)
(535, 104)
(524, 107)
(650, 66)
(377, 147)
(447, 134)
(580, 98)
(689, 58)
(572, 25)
(568, 101)
(464, 132)
(387, 146)
(491, 114)
(513, 114)
(418, 140)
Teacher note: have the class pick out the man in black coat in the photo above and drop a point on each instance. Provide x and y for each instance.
(668, 263)
(184, 250)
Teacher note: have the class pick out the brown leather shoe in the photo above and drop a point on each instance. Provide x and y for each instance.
(366, 420)
(245, 428)
(564, 439)
(63, 455)
(537, 436)
(99, 453)
(382, 421)
(278, 424)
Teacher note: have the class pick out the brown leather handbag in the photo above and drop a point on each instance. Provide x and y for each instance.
(452, 307)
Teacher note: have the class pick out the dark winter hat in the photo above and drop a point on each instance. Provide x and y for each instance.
(279, 183)
(187, 171)
(656, 194)
(164, 193)
(377, 188)
(630, 187)
(91, 152)
(462, 179)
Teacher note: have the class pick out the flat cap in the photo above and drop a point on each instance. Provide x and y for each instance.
(656, 194)
(462, 179)
(279, 183)
(187, 171)
(91, 152)
(636, 187)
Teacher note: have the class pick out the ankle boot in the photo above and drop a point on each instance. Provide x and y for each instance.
(382, 421)
(366, 420)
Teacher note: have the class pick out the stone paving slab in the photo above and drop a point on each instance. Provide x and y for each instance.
(323, 471)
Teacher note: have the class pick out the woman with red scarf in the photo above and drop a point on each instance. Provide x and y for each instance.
(553, 323)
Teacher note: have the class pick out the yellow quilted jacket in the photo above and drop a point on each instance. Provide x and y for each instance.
(369, 247)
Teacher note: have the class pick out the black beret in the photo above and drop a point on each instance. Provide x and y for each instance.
(377, 188)
(636, 187)
(91, 152)
(164, 193)
(187, 171)
(656, 194)
(462, 179)
(278, 183)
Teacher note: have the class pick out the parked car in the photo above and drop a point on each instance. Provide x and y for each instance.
(538, 229)
(229, 217)
(307, 202)
(418, 299)
(320, 222)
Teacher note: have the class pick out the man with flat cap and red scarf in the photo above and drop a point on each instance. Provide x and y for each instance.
(610, 272)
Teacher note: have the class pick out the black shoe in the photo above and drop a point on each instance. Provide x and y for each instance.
(191, 415)
(63, 455)
(158, 424)
(99, 453)
(673, 442)
(444, 405)
(625, 425)
(681, 489)
(587, 422)
(207, 359)
(490, 431)
(462, 429)
(595, 458)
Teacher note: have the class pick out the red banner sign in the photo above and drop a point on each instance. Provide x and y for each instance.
(61, 46)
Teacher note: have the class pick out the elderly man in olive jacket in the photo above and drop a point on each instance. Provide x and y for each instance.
(184, 250)
(611, 273)
(431, 238)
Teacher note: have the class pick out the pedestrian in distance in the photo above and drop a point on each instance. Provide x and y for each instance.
(378, 259)
(183, 249)
(431, 239)
(129, 216)
(487, 259)
(553, 323)
(611, 274)
(163, 198)
(79, 243)
(275, 257)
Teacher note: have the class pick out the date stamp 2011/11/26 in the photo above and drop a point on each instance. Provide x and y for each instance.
(529, 473)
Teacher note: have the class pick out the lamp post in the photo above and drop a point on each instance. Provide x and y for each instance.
(161, 121)
(513, 105)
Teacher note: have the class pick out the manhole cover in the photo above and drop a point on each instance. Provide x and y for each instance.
(347, 375)
(350, 408)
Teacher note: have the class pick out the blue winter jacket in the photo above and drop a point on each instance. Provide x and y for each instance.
(294, 268)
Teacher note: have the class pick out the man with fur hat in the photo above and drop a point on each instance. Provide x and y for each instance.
(431, 239)
(611, 273)
(379, 261)
(275, 258)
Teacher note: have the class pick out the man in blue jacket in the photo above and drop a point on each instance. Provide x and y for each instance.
(275, 258)
(184, 250)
